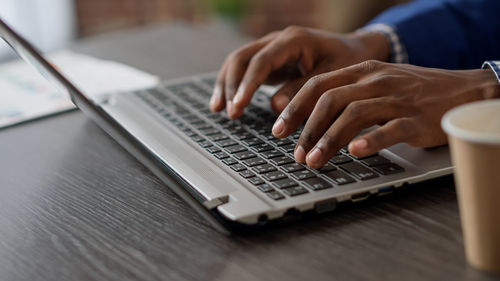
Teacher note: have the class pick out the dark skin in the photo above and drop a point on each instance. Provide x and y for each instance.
(340, 86)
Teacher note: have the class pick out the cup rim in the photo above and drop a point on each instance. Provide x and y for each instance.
(468, 135)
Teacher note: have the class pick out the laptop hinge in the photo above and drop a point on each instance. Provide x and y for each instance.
(214, 203)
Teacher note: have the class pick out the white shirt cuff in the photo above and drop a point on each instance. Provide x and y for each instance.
(494, 66)
(398, 50)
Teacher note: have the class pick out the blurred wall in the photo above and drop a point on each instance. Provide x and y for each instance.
(49, 24)
(255, 17)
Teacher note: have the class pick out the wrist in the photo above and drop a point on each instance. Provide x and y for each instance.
(374, 45)
(486, 81)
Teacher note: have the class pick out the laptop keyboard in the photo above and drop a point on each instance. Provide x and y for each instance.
(249, 148)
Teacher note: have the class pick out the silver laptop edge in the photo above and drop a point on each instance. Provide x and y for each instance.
(207, 184)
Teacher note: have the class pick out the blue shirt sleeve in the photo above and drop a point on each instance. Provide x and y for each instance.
(451, 34)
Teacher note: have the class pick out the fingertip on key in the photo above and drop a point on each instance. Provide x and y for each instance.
(300, 154)
(278, 127)
(314, 157)
(357, 146)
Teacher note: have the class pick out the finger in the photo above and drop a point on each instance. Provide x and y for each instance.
(228, 80)
(326, 110)
(236, 66)
(395, 131)
(304, 101)
(358, 115)
(302, 104)
(272, 57)
(286, 93)
(217, 101)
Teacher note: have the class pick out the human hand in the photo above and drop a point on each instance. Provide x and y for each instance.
(407, 101)
(290, 56)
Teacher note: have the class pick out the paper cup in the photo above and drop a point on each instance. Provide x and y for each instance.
(474, 137)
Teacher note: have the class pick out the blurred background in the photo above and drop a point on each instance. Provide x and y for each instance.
(54, 23)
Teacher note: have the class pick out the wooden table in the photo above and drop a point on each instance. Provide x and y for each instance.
(75, 205)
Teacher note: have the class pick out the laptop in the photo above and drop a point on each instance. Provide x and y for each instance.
(234, 173)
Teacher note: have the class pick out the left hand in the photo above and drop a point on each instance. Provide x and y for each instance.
(407, 101)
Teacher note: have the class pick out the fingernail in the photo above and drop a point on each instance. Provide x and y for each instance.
(215, 99)
(281, 102)
(278, 127)
(229, 107)
(300, 154)
(239, 96)
(315, 155)
(358, 144)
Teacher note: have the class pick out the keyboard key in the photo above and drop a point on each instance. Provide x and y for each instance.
(229, 161)
(340, 177)
(210, 131)
(359, 158)
(262, 147)
(256, 180)
(302, 175)
(264, 168)
(232, 127)
(238, 167)
(327, 168)
(244, 155)
(275, 195)
(282, 160)
(254, 161)
(317, 183)
(389, 169)
(359, 171)
(197, 138)
(221, 155)
(218, 137)
(271, 154)
(252, 141)
(191, 117)
(375, 161)
(265, 187)
(213, 149)
(272, 176)
(281, 142)
(235, 149)
(196, 120)
(296, 134)
(223, 121)
(294, 191)
(189, 132)
(202, 125)
(293, 167)
(340, 159)
(284, 183)
(289, 148)
(205, 144)
(247, 174)
(226, 143)
(243, 135)
(268, 135)
(266, 129)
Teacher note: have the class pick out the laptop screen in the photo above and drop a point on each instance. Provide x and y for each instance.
(33, 57)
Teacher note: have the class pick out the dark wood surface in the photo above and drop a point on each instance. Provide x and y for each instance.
(76, 206)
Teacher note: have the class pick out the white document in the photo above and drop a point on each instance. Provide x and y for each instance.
(26, 95)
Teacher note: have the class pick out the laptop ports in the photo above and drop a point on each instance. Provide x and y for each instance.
(360, 196)
(385, 190)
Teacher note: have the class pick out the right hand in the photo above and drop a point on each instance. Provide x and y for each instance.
(291, 56)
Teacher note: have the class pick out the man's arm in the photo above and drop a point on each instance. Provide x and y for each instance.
(452, 34)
